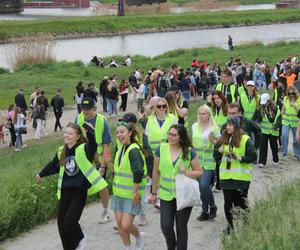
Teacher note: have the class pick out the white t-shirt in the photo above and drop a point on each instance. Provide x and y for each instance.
(140, 92)
(20, 121)
(128, 61)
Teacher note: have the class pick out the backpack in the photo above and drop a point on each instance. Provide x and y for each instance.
(163, 83)
(37, 112)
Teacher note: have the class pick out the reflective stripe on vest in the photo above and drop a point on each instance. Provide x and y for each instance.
(99, 129)
(238, 170)
(267, 127)
(156, 134)
(167, 188)
(86, 167)
(231, 89)
(204, 152)
(248, 107)
(123, 184)
(289, 118)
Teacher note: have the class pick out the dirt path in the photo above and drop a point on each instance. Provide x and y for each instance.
(202, 235)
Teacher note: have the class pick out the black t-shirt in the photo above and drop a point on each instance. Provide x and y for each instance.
(184, 105)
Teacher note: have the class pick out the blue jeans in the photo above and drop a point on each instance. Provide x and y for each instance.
(19, 142)
(111, 106)
(186, 95)
(285, 141)
(206, 195)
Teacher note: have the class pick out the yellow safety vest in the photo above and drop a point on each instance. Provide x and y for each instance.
(267, 127)
(231, 89)
(238, 170)
(167, 188)
(289, 118)
(241, 90)
(156, 134)
(86, 167)
(248, 107)
(204, 152)
(220, 118)
(99, 129)
(123, 180)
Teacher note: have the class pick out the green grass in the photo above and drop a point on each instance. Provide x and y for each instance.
(110, 24)
(273, 223)
(65, 75)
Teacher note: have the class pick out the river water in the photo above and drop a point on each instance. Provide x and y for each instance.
(153, 44)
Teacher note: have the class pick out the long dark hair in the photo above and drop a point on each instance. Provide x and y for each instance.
(184, 140)
(224, 106)
(236, 137)
(81, 140)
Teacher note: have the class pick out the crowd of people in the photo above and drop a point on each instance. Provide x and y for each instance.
(231, 134)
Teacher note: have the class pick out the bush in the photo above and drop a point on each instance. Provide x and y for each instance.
(3, 71)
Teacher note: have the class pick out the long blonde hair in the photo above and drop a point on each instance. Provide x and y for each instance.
(292, 89)
(205, 108)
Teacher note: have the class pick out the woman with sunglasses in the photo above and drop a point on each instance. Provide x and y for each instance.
(77, 178)
(129, 184)
(235, 152)
(290, 109)
(177, 106)
(159, 123)
(205, 133)
(172, 158)
(219, 108)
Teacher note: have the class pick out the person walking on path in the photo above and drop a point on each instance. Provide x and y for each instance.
(172, 158)
(230, 43)
(79, 95)
(18, 123)
(269, 118)
(77, 178)
(112, 95)
(128, 185)
(57, 102)
(10, 126)
(102, 90)
(103, 140)
(290, 109)
(235, 152)
(205, 133)
(124, 94)
(39, 116)
(21, 102)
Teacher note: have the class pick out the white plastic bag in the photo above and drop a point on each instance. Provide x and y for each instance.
(187, 192)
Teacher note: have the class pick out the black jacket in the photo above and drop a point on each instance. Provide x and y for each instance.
(20, 101)
(57, 102)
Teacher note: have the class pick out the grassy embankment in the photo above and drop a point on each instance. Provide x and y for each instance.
(65, 75)
(273, 223)
(136, 23)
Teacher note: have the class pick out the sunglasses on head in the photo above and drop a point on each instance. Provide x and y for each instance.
(163, 106)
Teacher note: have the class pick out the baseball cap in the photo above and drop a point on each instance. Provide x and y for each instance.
(264, 98)
(87, 103)
(129, 117)
(250, 83)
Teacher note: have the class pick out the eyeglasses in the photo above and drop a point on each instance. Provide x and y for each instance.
(292, 93)
(163, 106)
(172, 134)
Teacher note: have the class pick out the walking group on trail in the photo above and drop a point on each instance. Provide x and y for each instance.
(243, 108)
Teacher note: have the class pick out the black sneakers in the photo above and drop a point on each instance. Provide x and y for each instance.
(203, 216)
(213, 212)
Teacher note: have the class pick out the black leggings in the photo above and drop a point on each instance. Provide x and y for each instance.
(234, 198)
(167, 214)
(69, 212)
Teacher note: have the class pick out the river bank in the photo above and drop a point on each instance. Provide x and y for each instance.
(67, 28)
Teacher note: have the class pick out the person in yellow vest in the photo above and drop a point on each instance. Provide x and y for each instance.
(177, 106)
(219, 108)
(128, 185)
(249, 101)
(205, 133)
(77, 178)
(235, 152)
(242, 89)
(172, 158)
(269, 119)
(103, 140)
(227, 87)
(159, 123)
(290, 109)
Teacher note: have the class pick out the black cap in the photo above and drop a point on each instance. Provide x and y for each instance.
(87, 103)
(129, 117)
(235, 121)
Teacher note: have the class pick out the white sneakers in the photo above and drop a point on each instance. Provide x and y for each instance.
(105, 217)
(260, 165)
(143, 221)
(140, 241)
(81, 244)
